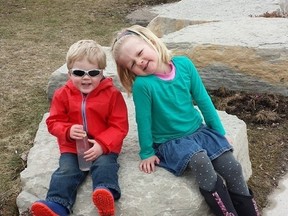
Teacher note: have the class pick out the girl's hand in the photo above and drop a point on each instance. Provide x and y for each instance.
(94, 152)
(148, 165)
(77, 132)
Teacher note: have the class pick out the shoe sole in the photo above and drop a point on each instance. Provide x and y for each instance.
(104, 202)
(40, 209)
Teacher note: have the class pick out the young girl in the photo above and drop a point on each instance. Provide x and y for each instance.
(170, 130)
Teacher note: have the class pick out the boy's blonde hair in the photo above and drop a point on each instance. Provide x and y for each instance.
(89, 49)
(127, 77)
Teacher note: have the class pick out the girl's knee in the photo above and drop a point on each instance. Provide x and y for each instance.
(199, 160)
(235, 167)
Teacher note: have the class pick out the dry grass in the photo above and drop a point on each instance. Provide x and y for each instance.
(34, 38)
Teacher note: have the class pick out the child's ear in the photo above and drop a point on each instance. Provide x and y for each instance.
(68, 74)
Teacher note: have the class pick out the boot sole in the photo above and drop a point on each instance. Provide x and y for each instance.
(40, 209)
(104, 202)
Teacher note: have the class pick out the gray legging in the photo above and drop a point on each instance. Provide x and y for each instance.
(225, 165)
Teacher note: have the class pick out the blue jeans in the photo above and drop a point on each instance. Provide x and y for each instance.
(68, 177)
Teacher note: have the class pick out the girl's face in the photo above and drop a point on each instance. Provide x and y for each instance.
(85, 83)
(138, 56)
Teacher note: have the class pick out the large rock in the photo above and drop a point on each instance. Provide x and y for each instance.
(229, 42)
(160, 193)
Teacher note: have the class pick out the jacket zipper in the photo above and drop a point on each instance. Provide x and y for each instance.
(83, 112)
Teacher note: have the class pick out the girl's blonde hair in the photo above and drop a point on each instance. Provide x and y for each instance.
(127, 77)
(89, 49)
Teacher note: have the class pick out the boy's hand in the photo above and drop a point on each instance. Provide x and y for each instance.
(94, 152)
(148, 165)
(77, 132)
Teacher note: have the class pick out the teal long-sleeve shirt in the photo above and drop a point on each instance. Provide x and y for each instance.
(165, 110)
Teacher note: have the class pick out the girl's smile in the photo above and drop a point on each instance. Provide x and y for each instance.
(138, 56)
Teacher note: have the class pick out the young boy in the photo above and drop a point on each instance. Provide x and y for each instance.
(88, 104)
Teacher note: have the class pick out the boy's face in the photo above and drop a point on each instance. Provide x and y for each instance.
(85, 83)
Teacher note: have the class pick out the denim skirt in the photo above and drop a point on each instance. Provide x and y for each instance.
(175, 154)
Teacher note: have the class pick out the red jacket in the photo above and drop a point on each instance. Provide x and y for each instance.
(105, 111)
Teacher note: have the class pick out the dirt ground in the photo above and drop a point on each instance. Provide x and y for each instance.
(266, 116)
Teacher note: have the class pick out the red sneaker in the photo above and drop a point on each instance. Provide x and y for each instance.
(104, 202)
(40, 209)
(46, 208)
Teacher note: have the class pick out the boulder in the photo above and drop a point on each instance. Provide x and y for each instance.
(160, 193)
(232, 43)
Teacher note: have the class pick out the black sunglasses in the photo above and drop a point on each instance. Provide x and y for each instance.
(81, 73)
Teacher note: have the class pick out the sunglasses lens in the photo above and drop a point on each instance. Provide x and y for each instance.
(79, 73)
(94, 73)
